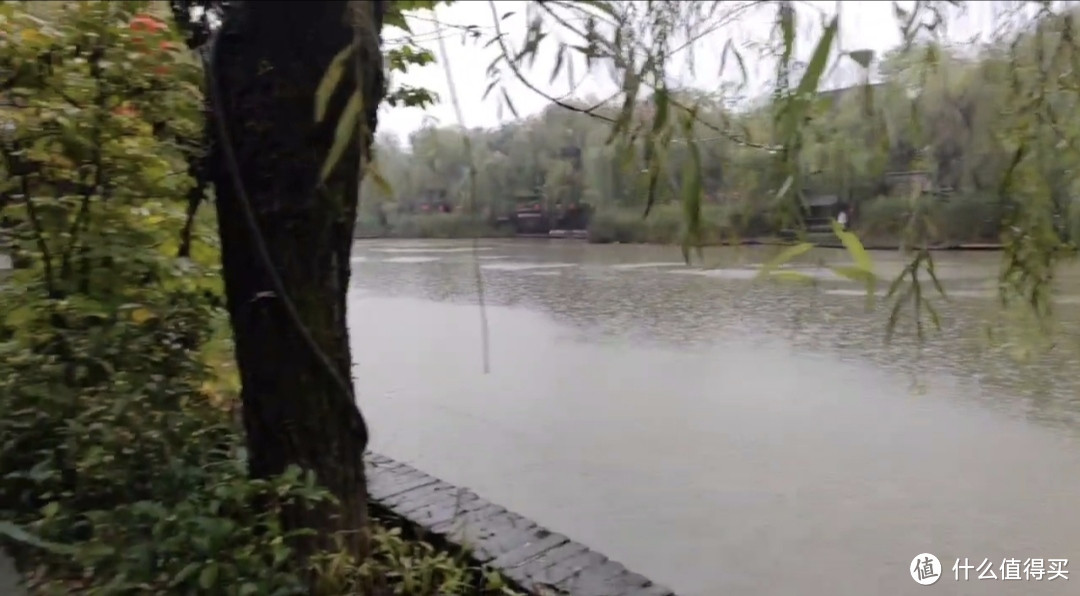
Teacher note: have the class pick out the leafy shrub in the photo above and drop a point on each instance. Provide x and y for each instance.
(441, 225)
(970, 218)
(121, 469)
(428, 225)
(883, 218)
(951, 219)
(665, 224)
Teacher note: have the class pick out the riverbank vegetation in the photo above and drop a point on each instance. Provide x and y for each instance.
(123, 463)
(937, 118)
(428, 225)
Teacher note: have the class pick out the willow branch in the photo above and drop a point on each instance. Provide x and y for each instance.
(591, 110)
(39, 233)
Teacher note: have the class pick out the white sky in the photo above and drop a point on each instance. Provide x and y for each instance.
(863, 25)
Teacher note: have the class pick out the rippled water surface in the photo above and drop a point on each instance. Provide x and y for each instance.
(721, 434)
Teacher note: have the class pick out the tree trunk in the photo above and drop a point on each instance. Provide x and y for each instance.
(296, 409)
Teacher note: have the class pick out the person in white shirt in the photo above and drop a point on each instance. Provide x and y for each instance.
(842, 219)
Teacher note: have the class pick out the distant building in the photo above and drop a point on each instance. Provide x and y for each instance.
(820, 211)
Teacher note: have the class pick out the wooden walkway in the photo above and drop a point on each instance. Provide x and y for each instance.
(10, 580)
(537, 560)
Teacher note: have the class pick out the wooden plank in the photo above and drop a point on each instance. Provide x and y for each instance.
(534, 558)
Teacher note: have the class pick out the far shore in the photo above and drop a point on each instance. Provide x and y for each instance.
(762, 241)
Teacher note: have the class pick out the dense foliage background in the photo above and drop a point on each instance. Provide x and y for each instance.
(956, 114)
(122, 466)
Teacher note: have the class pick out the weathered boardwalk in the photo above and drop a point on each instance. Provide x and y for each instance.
(10, 581)
(537, 560)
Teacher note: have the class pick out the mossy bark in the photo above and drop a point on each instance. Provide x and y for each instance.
(271, 58)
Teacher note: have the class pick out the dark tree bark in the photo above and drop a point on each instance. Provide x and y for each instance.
(270, 59)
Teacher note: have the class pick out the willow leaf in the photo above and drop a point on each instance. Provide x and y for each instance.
(560, 57)
(784, 257)
(329, 82)
(17, 534)
(854, 247)
(810, 79)
(795, 276)
(691, 200)
(343, 134)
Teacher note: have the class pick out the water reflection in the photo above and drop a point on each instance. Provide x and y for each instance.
(722, 435)
(598, 293)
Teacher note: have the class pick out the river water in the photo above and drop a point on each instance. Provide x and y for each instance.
(722, 434)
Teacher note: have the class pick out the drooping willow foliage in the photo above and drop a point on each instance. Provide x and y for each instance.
(987, 120)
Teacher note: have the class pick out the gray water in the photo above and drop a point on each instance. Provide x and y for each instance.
(721, 434)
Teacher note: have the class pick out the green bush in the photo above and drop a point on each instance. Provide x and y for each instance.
(665, 224)
(122, 469)
(883, 219)
(970, 218)
(441, 225)
(951, 219)
(429, 225)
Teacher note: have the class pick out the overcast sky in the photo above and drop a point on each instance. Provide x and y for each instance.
(863, 25)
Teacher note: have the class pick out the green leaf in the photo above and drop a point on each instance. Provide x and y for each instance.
(142, 315)
(692, 194)
(509, 104)
(854, 273)
(209, 576)
(631, 84)
(95, 550)
(329, 82)
(372, 172)
(395, 18)
(16, 533)
(854, 247)
(343, 134)
(184, 574)
(785, 256)
(660, 100)
(810, 79)
(787, 28)
(795, 276)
